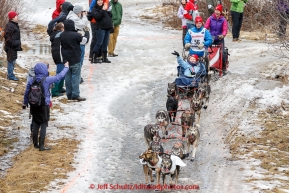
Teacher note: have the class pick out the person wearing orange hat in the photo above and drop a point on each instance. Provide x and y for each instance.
(218, 26)
(189, 71)
(12, 43)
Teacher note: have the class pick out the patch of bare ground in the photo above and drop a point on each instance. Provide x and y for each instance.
(33, 170)
(165, 13)
(11, 94)
(270, 146)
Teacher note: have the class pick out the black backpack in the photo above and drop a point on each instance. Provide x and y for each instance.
(36, 95)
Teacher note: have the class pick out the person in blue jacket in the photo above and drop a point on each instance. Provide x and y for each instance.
(190, 71)
(198, 38)
(41, 114)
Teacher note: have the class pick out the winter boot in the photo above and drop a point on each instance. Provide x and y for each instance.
(41, 144)
(95, 58)
(104, 58)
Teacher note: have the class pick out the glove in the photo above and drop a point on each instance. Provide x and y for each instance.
(86, 29)
(201, 46)
(188, 45)
(176, 54)
(24, 106)
(210, 6)
(220, 37)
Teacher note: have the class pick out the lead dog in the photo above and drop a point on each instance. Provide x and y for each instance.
(150, 131)
(162, 119)
(204, 91)
(170, 165)
(179, 150)
(193, 138)
(196, 106)
(187, 120)
(151, 160)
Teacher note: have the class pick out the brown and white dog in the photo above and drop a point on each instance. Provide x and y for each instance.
(204, 91)
(187, 120)
(196, 106)
(179, 150)
(171, 166)
(150, 131)
(193, 138)
(151, 161)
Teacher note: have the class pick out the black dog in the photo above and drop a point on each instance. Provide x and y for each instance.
(172, 101)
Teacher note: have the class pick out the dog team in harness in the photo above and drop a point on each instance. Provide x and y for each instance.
(194, 72)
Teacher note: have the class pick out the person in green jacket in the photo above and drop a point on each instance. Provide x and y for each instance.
(237, 9)
(116, 11)
(211, 6)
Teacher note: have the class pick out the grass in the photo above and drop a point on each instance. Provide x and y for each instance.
(270, 146)
(34, 170)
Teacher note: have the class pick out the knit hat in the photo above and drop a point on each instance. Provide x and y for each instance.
(195, 56)
(11, 15)
(198, 19)
(219, 8)
(77, 9)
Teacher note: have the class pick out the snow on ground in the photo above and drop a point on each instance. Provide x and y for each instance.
(122, 97)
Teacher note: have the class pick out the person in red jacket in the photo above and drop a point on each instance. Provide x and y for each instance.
(190, 13)
(58, 9)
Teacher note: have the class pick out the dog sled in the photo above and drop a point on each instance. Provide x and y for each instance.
(216, 58)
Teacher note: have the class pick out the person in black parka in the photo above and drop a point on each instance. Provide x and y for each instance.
(103, 27)
(12, 43)
(70, 50)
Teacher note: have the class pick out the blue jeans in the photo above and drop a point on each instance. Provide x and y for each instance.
(10, 69)
(101, 40)
(59, 68)
(82, 48)
(72, 80)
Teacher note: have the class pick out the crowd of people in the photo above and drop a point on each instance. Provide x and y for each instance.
(69, 33)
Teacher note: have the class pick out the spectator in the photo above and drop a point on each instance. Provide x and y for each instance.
(93, 29)
(212, 4)
(198, 38)
(70, 50)
(92, 4)
(237, 9)
(218, 26)
(41, 114)
(58, 89)
(81, 22)
(12, 43)
(103, 27)
(66, 8)
(181, 16)
(58, 9)
(116, 11)
(283, 9)
(190, 13)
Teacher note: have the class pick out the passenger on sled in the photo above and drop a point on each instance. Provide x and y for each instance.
(190, 72)
(218, 26)
(198, 39)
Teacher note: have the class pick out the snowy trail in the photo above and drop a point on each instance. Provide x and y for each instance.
(122, 97)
